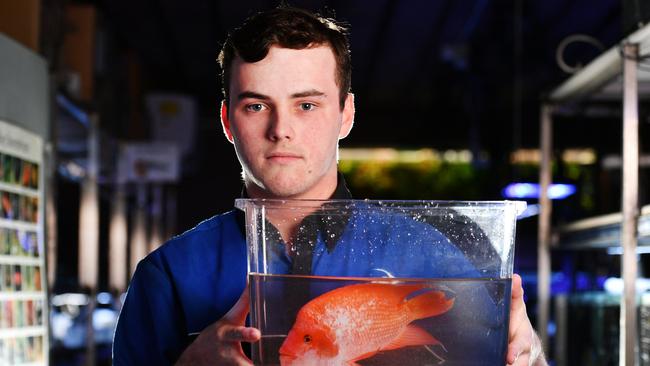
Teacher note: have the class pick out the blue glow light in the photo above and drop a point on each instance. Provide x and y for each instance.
(614, 285)
(104, 298)
(561, 191)
(78, 113)
(531, 190)
(619, 250)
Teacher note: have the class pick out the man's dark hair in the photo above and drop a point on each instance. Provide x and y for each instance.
(287, 27)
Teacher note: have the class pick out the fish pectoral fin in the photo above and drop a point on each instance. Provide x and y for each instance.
(429, 304)
(412, 336)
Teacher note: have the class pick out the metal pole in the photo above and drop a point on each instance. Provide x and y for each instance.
(89, 212)
(156, 237)
(170, 211)
(89, 231)
(139, 226)
(561, 321)
(544, 226)
(91, 354)
(630, 209)
(118, 240)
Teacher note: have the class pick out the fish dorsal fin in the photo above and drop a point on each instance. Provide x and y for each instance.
(411, 336)
(429, 304)
(401, 291)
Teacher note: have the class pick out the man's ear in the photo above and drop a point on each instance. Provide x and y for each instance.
(225, 122)
(348, 116)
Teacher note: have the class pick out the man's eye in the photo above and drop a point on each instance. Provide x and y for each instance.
(257, 107)
(307, 106)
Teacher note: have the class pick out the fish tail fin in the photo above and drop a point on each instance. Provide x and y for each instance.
(429, 304)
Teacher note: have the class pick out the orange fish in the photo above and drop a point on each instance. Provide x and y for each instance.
(355, 322)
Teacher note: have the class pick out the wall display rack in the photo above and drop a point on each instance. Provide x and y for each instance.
(23, 296)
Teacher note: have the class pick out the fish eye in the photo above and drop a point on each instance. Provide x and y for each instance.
(307, 338)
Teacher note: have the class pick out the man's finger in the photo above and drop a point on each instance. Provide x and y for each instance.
(522, 360)
(517, 306)
(517, 286)
(517, 351)
(239, 334)
(237, 314)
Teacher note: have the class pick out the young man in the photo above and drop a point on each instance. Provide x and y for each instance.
(286, 78)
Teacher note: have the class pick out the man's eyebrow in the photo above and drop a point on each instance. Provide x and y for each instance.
(252, 95)
(308, 93)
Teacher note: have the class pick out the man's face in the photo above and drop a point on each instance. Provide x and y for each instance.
(285, 120)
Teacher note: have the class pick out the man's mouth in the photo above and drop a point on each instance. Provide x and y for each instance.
(282, 157)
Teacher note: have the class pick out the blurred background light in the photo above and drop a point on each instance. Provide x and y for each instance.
(556, 191)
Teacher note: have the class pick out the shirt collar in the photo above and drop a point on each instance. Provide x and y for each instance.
(309, 229)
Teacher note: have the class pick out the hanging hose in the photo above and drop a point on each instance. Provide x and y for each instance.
(559, 53)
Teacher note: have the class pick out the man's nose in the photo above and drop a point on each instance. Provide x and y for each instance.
(280, 126)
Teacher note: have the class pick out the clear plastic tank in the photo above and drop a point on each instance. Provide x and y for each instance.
(362, 282)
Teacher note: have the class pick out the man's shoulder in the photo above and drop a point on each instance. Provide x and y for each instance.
(203, 240)
(210, 226)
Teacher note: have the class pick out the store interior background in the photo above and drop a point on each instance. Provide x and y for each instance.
(447, 93)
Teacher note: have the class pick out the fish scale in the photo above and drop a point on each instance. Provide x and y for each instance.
(385, 324)
(377, 333)
(388, 312)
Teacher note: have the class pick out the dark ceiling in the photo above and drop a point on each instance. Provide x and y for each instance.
(436, 73)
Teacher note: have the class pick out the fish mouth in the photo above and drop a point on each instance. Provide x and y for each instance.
(287, 355)
(287, 359)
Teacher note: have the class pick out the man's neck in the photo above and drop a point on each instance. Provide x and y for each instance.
(322, 192)
(287, 221)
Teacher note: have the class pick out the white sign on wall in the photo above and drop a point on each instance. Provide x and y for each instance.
(173, 119)
(148, 162)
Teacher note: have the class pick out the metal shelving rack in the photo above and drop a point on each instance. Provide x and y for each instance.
(602, 232)
(613, 76)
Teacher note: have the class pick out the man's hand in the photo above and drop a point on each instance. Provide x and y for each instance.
(524, 346)
(220, 343)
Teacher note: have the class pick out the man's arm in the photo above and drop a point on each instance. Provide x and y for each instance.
(524, 346)
(149, 330)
